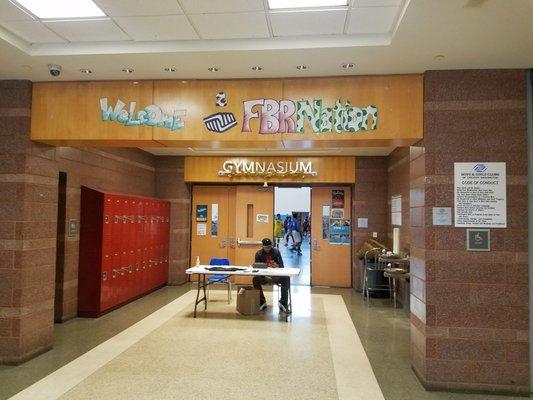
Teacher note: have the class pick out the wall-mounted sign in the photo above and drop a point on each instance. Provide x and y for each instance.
(201, 213)
(442, 216)
(151, 115)
(478, 239)
(278, 116)
(362, 222)
(262, 218)
(480, 195)
(337, 198)
(267, 169)
(396, 210)
(214, 220)
(72, 227)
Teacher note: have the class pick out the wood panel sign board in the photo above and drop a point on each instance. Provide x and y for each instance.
(363, 111)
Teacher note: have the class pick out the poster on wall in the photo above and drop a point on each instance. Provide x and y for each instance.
(214, 220)
(396, 210)
(201, 229)
(480, 195)
(201, 213)
(339, 231)
(337, 213)
(337, 198)
(325, 222)
(263, 218)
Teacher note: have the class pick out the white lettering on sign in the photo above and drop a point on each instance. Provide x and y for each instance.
(267, 169)
(480, 195)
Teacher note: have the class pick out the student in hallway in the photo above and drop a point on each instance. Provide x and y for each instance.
(278, 228)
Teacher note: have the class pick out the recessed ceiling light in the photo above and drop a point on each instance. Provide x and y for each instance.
(348, 65)
(439, 57)
(274, 4)
(301, 67)
(127, 70)
(212, 69)
(62, 8)
(257, 68)
(169, 69)
(86, 71)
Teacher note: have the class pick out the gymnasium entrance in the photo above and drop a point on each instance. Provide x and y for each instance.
(229, 221)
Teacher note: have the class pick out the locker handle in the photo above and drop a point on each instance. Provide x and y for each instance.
(106, 219)
(104, 276)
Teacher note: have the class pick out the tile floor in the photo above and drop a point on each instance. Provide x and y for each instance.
(383, 333)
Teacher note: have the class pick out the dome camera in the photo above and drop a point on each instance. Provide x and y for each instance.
(55, 70)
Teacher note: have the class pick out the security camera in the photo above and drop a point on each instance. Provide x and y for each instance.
(55, 70)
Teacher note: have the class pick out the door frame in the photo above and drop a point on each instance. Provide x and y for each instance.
(287, 185)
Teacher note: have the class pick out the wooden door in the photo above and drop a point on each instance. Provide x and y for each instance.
(254, 213)
(331, 260)
(210, 240)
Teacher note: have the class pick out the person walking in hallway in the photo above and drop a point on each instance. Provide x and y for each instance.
(272, 257)
(278, 227)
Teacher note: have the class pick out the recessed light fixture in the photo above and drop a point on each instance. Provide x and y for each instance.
(348, 65)
(213, 69)
(275, 4)
(127, 70)
(135, 82)
(62, 8)
(439, 57)
(169, 69)
(257, 68)
(86, 71)
(301, 67)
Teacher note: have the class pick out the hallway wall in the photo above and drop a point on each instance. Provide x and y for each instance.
(129, 171)
(469, 321)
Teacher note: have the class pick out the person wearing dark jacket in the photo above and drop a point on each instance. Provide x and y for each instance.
(272, 257)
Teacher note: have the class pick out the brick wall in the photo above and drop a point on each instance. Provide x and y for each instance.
(170, 186)
(369, 201)
(28, 194)
(470, 309)
(130, 171)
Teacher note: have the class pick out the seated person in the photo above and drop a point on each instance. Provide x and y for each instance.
(272, 257)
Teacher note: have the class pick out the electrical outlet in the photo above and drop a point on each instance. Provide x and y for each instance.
(374, 234)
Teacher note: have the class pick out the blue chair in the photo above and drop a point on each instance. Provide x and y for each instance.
(213, 279)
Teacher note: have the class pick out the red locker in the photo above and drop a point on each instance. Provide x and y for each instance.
(123, 249)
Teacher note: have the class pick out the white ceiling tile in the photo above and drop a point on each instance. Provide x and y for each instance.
(376, 3)
(218, 6)
(10, 12)
(169, 27)
(372, 20)
(123, 8)
(314, 22)
(231, 26)
(32, 31)
(96, 30)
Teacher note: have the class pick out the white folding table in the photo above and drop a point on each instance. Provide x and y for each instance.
(202, 271)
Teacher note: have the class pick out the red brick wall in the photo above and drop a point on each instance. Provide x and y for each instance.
(170, 186)
(470, 309)
(28, 195)
(369, 201)
(130, 171)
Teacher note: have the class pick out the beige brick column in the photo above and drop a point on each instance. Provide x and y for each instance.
(28, 208)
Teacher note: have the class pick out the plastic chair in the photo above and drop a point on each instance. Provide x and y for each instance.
(372, 266)
(213, 279)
